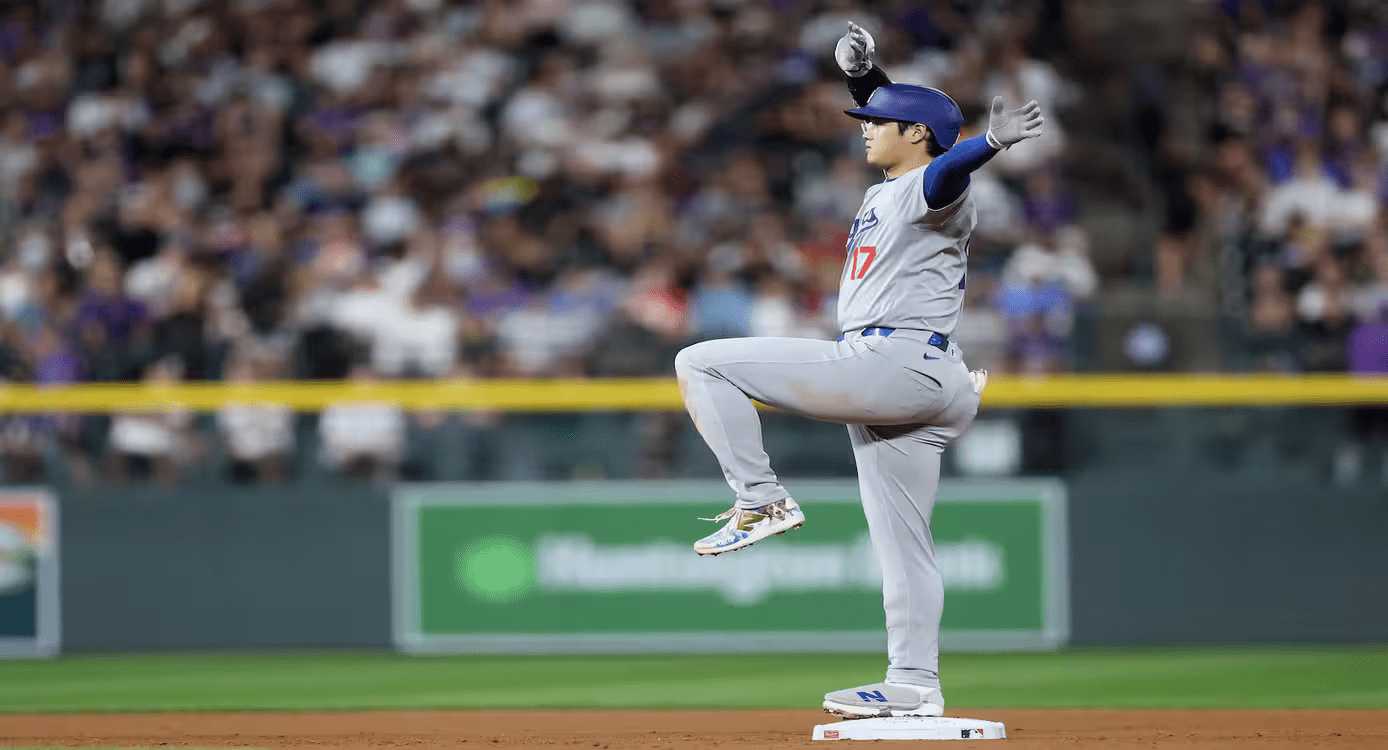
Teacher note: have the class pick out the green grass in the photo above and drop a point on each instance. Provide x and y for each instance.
(1216, 677)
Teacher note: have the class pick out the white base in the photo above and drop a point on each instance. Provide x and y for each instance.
(911, 728)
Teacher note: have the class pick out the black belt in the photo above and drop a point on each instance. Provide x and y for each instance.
(936, 340)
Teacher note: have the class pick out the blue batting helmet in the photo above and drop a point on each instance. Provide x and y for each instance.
(929, 107)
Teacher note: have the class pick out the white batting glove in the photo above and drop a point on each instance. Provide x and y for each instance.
(854, 51)
(979, 380)
(1007, 128)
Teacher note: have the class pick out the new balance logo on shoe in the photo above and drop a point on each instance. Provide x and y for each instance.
(749, 520)
(884, 699)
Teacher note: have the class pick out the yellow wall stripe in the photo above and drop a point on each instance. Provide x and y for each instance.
(660, 393)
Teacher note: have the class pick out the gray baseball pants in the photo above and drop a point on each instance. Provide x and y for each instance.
(903, 400)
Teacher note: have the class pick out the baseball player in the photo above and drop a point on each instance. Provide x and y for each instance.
(894, 377)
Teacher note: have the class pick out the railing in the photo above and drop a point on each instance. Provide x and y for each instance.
(662, 394)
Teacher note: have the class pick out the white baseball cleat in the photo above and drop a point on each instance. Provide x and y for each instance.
(885, 699)
(747, 527)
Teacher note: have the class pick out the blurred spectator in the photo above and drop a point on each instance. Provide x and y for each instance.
(25, 438)
(1046, 207)
(983, 330)
(776, 311)
(419, 337)
(1310, 194)
(1368, 355)
(648, 328)
(1272, 316)
(1369, 298)
(258, 437)
(1178, 250)
(999, 210)
(1324, 320)
(109, 323)
(835, 193)
(721, 304)
(1041, 284)
(553, 332)
(363, 439)
(157, 443)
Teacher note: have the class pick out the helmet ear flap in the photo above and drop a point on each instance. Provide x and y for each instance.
(932, 144)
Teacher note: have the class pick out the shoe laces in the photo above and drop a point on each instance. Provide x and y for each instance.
(776, 510)
(725, 515)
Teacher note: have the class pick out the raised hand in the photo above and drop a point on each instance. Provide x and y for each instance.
(854, 51)
(1007, 128)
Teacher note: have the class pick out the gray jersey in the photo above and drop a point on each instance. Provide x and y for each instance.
(906, 261)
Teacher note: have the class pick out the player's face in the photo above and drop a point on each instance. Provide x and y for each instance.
(886, 145)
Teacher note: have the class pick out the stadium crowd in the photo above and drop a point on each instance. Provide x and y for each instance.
(1292, 174)
(252, 189)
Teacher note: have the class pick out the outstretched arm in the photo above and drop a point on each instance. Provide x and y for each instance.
(947, 177)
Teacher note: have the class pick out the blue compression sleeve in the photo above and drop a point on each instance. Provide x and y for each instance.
(947, 177)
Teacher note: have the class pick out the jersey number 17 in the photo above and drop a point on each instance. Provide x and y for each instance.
(867, 253)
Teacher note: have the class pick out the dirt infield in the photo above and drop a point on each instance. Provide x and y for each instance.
(684, 730)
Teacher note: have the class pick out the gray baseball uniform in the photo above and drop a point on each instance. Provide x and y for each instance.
(903, 397)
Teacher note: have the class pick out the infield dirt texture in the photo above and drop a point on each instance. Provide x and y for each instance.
(1274, 697)
(687, 730)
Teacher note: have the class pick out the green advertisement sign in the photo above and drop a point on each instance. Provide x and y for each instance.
(608, 566)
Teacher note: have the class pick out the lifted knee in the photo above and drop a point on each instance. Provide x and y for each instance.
(686, 362)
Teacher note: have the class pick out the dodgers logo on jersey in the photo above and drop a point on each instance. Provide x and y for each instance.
(861, 225)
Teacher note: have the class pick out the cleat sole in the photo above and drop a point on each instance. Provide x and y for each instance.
(876, 715)
(745, 546)
(849, 715)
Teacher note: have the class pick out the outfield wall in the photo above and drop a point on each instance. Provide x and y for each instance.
(1156, 555)
(225, 567)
